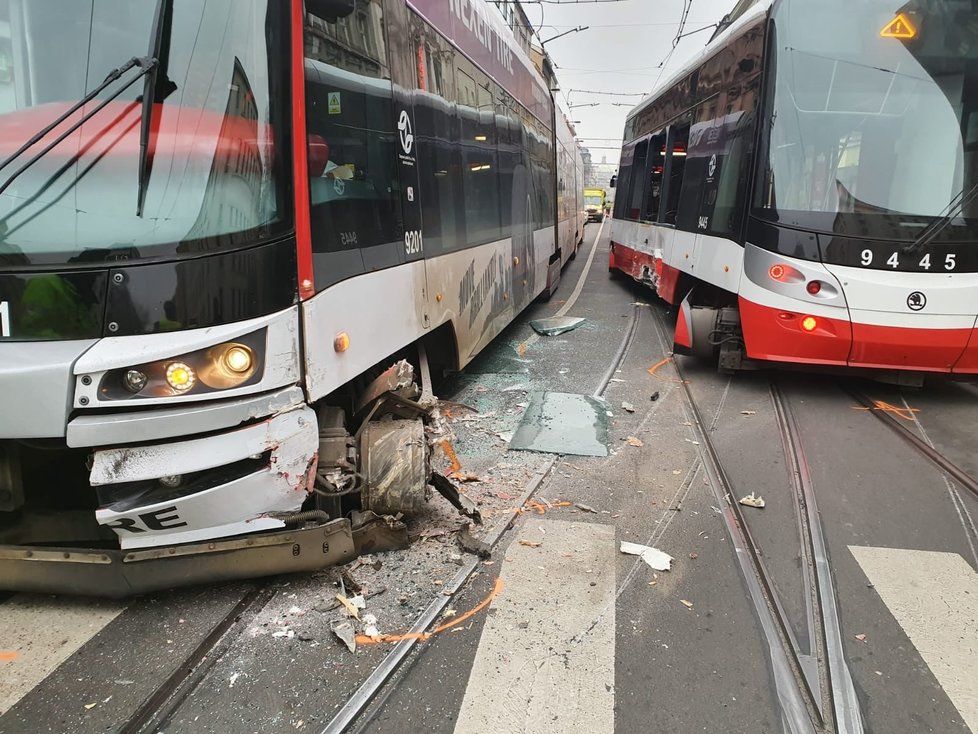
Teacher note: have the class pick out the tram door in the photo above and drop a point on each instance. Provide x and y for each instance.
(404, 76)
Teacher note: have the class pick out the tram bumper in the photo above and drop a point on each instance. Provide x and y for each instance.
(119, 573)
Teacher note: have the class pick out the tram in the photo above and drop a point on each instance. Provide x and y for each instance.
(229, 266)
(803, 191)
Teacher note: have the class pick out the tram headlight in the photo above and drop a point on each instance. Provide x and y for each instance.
(220, 367)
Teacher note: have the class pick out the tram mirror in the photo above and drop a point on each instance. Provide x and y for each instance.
(318, 155)
(614, 180)
(330, 10)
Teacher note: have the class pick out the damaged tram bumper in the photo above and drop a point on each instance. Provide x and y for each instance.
(136, 498)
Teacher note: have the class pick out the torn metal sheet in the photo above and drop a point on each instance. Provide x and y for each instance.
(347, 635)
(459, 501)
(470, 544)
(556, 326)
(397, 377)
(563, 423)
(375, 534)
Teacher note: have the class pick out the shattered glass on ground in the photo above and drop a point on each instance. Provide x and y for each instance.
(556, 326)
(563, 423)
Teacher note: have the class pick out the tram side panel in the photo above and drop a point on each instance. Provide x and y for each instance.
(485, 195)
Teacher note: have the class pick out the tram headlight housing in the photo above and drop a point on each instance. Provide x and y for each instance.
(236, 363)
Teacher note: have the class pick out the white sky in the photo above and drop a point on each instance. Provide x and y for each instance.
(620, 51)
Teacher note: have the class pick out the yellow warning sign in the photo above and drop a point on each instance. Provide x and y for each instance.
(334, 103)
(899, 27)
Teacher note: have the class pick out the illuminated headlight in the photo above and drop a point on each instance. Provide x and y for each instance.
(223, 366)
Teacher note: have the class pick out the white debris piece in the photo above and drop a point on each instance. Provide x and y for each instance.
(284, 632)
(346, 633)
(657, 559)
(625, 405)
(370, 626)
(753, 501)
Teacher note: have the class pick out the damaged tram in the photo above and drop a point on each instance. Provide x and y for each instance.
(804, 191)
(229, 264)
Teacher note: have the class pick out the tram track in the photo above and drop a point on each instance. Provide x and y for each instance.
(922, 446)
(814, 686)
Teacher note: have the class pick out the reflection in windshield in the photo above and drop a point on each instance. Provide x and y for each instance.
(866, 125)
(217, 163)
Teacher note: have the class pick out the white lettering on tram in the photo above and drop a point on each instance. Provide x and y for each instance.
(4, 318)
(476, 20)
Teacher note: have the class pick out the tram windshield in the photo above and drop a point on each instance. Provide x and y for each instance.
(592, 201)
(873, 129)
(217, 174)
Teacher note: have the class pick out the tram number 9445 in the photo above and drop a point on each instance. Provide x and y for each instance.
(897, 259)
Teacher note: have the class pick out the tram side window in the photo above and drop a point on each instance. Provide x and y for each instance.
(637, 187)
(718, 164)
(350, 120)
(679, 142)
(479, 167)
(653, 188)
(437, 131)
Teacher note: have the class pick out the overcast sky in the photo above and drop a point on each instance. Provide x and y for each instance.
(620, 52)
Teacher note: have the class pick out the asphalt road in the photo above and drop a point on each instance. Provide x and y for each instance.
(569, 634)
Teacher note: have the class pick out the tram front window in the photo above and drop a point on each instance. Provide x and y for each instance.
(872, 134)
(218, 156)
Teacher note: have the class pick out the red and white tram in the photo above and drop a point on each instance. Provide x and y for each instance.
(212, 254)
(804, 190)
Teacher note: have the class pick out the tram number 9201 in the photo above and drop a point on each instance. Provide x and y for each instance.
(867, 256)
(413, 243)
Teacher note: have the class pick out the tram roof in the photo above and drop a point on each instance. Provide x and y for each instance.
(749, 16)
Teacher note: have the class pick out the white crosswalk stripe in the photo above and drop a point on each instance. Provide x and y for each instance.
(544, 664)
(934, 598)
(38, 633)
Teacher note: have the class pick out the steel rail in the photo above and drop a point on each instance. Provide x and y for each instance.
(938, 459)
(845, 702)
(799, 707)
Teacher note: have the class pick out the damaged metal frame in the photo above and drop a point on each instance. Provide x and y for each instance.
(387, 461)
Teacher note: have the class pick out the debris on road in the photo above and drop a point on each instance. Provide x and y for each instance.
(470, 544)
(655, 396)
(694, 556)
(347, 635)
(458, 500)
(530, 543)
(860, 637)
(686, 603)
(753, 501)
(748, 412)
(556, 326)
(352, 605)
(655, 368)
(655, 558)
(625, 405)
(585, 508)
(370, 626)
(632, 441)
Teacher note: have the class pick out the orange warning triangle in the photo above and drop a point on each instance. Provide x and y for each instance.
(899, 27)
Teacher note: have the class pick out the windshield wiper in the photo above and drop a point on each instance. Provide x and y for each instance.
(145, 65)
(156, 88)
(952, 210)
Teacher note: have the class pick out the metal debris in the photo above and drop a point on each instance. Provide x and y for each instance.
(375, 534)
(748, 412)
(655, 558)
(556, 326)
(470, 544)
(625, 405)
(585, 508)
(346, 633)
(686, 603)
(753, 501)
(450, 492)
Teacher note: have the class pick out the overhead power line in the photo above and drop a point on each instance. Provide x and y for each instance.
(607, 94)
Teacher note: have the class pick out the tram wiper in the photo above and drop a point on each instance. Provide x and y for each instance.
(958, 202)
(156, 88)
(144, 64)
